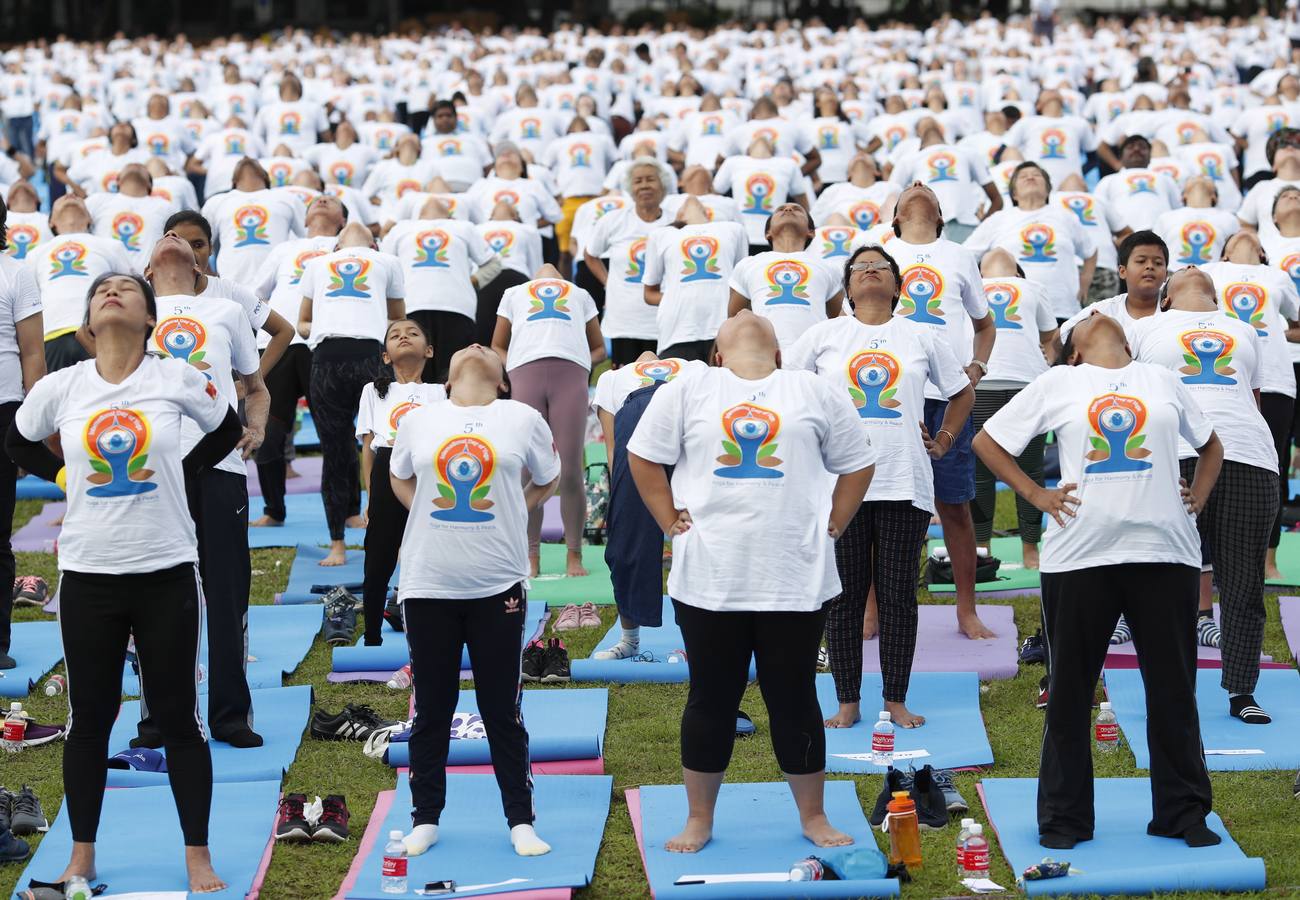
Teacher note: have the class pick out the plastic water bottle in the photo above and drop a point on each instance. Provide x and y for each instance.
(392, 879)
(677, 656)
(882, 741)
(77, 888)
(1107, 730)
(15, 729)
(401, 679)
(811, 869)
(56, 684)
(977, 853)
(962, 837)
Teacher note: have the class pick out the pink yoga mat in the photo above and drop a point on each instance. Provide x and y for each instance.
(1290, 607)
(632, 797)
(308, 482)
(255, 891)
(940, 647)
(1124, 656)
(558, 767)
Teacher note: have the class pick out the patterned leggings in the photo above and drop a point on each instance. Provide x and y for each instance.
(987, 402)
(881, 547)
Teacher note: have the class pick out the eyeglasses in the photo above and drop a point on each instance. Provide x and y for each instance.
(878, 266)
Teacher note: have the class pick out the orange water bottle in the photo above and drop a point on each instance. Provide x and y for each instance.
(904, 831)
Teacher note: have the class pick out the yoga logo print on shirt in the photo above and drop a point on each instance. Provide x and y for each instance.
(250, 223)
(608, 204)
(657, 370)
(1277, 121)
(1081, 206)
(1208, 355)
(711, 126)
(550, 300)
(432, 249)
(464, 466)
(1038, 243)
(1211, 165)
(580, 156)
(234, 145)
(126, 228)
(943, 167)
(348, 278)
(395, 417)
(919, 298)
(1141, 183)
(1053, 144)
(1290, 264)
(1004, 303)
(181, 337)
(749, 447)
(1117, 437)
(117, 445)
(449, 147)
(22, 238)
(635, 261)
(158, 144)
(828, 138)
(109, 182)
(407, 184)
(700, 259)
(835, 241)
(290, 123)
(508, 196)
(500, 241)
(301, 260)
(279, 173)
(864, 214)
(787, 282)
(530, 129)
(1246, 301)
(759, 188)
(68, 259)
(1197, 239)
(873, 382)
(342, 172)
(893, 135)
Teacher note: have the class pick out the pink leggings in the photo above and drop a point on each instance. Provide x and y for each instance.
(557, 388)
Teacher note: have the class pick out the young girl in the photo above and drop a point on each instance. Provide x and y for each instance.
(383, 404)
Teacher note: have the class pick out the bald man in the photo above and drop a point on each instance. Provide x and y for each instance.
(753, 552)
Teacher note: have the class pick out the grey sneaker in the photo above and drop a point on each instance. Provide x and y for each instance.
(27, 817)
(340, 617)
(954, 800)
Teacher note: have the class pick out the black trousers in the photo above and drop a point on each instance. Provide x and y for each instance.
(783, 645)
(448, 332)
(288, 381)
(63, 351)
(340, 368)
(1234, 527)
(1029, 518)
(1080, 609)
(584, 279)
(383, 543)
(489, 301)
(880, 548)
(8, 568)
(1278, 410)
(624, 351)
(493, 630)
(97, 614)
(690, 350)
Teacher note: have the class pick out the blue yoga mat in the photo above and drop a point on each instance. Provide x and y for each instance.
(1278, 692)
(393, 653)
(280, 715)
(562, 724)
(307, 576)
(305, 524)
(1121, 858)
(650, 666)
(29, 487)
(37, 648)
(474, 844)
(279, 637)
(755, 829)
(306, 438)
(953, 734)
(140, 846)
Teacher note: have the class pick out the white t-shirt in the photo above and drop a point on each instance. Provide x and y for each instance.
(215, 337)
(20, 299)
(1195, 236)
(1021, 313)
(1267, 299)
(467, 534)
(1118, 432)
(1257, 207)
(295, 123)
(380, 416)
(955, 175)
(614, 385)
(1055, 143)
(1045, 242)
(548, 320)
(435, 255)
(24, 232)
(790, 289)
(1256, 126)
(1217, 357)
(247, 225)
(759, 186)
(861, 206)
(1098, 222)
(752, 458)
(350, 289)
(693, 265)
(122, 446)
(884, 370)
(620, 238)
(518, 246)
(1139, 196)
(65, 268)
(459, 158)
(277, 280)
(134, 222)
(579, 162)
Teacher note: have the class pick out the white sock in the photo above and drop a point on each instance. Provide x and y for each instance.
(526, 841)
(629, 645)
(421, 838)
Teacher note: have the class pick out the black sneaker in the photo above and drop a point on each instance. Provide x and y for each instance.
(26, 816)
(291, 822)
(534, 661)
(1032, 649)
(1041, 702)
(30, 590)
(333, 824)
(556, 667)
(12, 849)
(340, 617)
(393, 614)
(355, 723)
(6, 808)
(895, 780)
(931, 805)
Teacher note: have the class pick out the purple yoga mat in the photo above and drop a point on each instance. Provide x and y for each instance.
(940, 647)
(39, 535)
(552, 527)
(1291, 622)
(1206, 657)
(308, 482)
(377, 677)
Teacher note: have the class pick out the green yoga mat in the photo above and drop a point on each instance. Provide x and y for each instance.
(1012, 579)
(1288, 560)
(557, 590)
(594, 453)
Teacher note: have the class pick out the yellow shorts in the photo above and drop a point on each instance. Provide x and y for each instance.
(564, 227)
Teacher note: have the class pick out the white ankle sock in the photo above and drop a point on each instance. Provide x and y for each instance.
(629, 645)
(526, 842)
(632, 636)
(421, 838)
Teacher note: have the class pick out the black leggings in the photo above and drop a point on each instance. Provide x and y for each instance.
(8, 568)
(288, 380)
(1277, 410)
(625, 351)
(690, 350)
(489, 301)
(987, 402)
(493, 629)
(340, 368)
(719, 646)
(448, 332)
(97, 613)
(383, 543)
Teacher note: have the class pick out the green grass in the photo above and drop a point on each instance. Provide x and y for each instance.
(641, 748)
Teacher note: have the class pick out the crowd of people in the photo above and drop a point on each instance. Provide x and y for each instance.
(845, 281)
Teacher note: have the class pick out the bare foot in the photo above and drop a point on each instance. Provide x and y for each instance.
(1271, 571)
(820, 831)
(694, 836)
(58, 523)
(357, 521)
(573, 567)
(903, 717)
(203, 880)
(290, 472)
(1029, 555)
(534, 565)
(82, 862)
(848, 716)
(970, 625)
(337, 556)
(265, 522)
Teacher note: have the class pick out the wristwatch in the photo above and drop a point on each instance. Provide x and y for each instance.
(983, 366)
